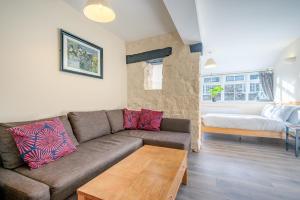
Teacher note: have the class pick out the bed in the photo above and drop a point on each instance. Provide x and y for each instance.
(270, 124)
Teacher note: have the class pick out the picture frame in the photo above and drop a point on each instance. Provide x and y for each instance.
(79, 56)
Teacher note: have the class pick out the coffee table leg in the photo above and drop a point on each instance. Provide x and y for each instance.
(185, 177)
(80, 196)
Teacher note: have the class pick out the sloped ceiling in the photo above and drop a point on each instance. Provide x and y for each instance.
(184, 16)
(136, 19)
(246, 35)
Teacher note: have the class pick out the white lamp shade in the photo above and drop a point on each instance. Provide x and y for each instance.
(210, 63)
(99, 11)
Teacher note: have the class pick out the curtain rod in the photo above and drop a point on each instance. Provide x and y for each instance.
(240, 72)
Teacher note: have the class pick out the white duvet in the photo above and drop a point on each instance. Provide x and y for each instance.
(249, 122)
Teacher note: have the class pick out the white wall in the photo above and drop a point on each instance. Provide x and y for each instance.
(287, 75)
(31, 84)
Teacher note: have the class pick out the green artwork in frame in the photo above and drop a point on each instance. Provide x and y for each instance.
(80, 56)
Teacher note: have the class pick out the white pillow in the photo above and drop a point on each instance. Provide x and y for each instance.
(267, 110)
(283, 112)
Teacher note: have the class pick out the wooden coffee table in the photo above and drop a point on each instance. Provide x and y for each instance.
(149, 173)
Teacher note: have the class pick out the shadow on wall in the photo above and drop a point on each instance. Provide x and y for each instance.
(287, 74)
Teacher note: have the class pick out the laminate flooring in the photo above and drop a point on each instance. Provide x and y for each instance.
(227, 168)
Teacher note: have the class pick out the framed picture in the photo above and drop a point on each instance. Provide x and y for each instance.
(80, 56)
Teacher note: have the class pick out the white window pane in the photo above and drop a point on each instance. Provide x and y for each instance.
(218, 97)
(207, 80)
(215, 79)
(229, 88)
(239, 88)
(229, 78)
(254, 87)
(153, 76)
(254, 77)
(239, 78)
(228, 96)
(206, 97)
(240, 97)
(252, 96)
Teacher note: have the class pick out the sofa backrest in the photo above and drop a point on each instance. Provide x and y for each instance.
(116, 120)
(89, 125)
(176, 125)
(9, 152)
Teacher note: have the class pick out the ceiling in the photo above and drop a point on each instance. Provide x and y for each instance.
(184, 16)
(247, 35)
(243, 35)
(136, 19)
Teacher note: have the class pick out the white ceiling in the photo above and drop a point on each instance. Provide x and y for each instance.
(243, 35)
(136, 19)
(184, 16)
(246, 35)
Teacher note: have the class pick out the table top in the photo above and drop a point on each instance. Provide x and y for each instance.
(146, 174)
(293, 126)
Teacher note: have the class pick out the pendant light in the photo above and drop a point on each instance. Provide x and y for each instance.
(99, 11)
(210, 62)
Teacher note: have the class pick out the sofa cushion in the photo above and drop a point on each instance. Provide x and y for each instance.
(65, 175)
(9, 152)
(176, 125)
(150, 120)
(42, 142)
(131, 118)
(116, 120)
(89, 125)
(175, 140)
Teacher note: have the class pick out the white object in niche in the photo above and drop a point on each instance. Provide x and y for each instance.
(153, 75)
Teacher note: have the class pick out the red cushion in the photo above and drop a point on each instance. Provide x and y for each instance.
(150, 120)
(131, 119)
(42, 142)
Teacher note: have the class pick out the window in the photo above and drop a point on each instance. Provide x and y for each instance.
(153, 75)
(237, 87)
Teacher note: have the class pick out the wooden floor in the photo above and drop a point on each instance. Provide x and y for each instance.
(250, 169)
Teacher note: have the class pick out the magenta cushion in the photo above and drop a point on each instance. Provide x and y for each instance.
(150, 120)
(42, 142)
(131, 119)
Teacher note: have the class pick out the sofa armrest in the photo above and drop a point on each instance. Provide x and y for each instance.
(176, 125)
(16, 186)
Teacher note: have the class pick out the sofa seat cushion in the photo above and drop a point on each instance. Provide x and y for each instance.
(64, 176)
(177, 140)
(15, 186)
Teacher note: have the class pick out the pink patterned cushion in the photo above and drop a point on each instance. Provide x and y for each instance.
(131, 119)
(150, 120)
(42, 142)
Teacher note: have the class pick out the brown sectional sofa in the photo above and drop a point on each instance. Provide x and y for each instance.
(101, 142)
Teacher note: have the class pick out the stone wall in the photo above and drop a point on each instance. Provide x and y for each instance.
(179, 97)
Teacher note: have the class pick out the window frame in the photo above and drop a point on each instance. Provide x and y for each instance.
(153, 84)
(223, 81)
